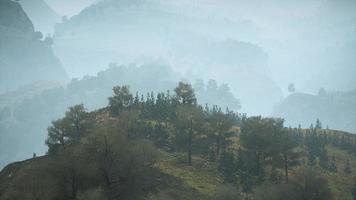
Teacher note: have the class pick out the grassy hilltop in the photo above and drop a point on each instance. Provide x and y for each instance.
(166, 146)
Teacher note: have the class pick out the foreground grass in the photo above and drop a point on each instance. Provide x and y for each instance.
(201, 176)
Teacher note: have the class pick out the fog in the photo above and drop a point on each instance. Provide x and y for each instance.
(236, 53)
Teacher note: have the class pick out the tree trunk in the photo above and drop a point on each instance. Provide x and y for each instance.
(286, 166)
(218, 146)
(74, 187)
(190, 143)
(190, 150)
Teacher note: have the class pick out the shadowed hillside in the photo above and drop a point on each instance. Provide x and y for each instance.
(24, 56)
(166, 146)
(335, 109)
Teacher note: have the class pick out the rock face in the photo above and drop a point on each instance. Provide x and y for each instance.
(42, 16)
(336, 110)
(24, 57)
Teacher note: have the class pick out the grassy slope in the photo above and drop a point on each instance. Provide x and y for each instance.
(340, 182)
(202, 175)
(199, 181)
(180, 181)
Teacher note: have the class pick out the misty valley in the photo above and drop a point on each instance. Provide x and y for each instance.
(177, 100)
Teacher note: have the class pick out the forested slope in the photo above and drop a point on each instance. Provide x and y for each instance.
(166, 146)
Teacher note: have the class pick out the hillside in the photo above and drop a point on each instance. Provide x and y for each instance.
(168, 147)
(335, 109)
(197, 46)
(42, 16)
(21, 135)
(24, 57)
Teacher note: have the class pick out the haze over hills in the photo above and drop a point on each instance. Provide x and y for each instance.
(170, 148)
(139, 31)
(256, 48)
(69, 7)
(171, 100)
(42, 16)
(306, 40)
(285, 28)
(21, 134)
(24, 56)
(334, 109)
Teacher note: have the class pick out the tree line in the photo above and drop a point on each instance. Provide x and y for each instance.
(111, 152)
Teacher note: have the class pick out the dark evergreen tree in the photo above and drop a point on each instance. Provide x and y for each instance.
(332, 165)
(227, 167)
(353, 191)
(185, 93)
(121, 100)
(347, 169)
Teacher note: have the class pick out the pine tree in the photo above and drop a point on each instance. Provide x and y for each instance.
(348, 169)
(318, 124)
(353, 191)
(220, 124)
(227, 167)
(76, 117)
(332, 165)
(185, 93)
(121, 100)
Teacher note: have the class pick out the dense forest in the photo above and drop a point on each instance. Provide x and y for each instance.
(166, 146)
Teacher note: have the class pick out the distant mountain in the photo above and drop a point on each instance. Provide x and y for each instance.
(43, 17)
(24, 56)
(336, 110)
(140, 31)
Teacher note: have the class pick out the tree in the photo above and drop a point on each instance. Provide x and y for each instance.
(227, 167)
(77, 116)
(311, 185)
(318, 124)
(57, 135)
(332, 165)
(121, 100)
(125, 165)
(287, 147)
(220, 124)
(246, 169)
(190, 125)
(38, 35)
(185, 93)
(291, 88)
(257, 138)
(48, 40)
(67, 130)
(353, 191)
(322, 92)
(307, 184)
(347, 168)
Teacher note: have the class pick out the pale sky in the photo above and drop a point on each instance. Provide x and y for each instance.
(69, 7)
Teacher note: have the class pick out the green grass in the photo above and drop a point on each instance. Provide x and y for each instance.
(202, 175)
(340, 182)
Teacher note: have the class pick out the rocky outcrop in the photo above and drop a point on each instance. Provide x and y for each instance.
(42, 16)
(24, 56)
(336, 110)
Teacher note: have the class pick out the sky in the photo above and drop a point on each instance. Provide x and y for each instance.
(69, 7)
(266, 44)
